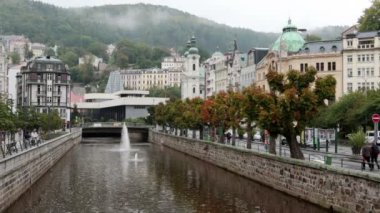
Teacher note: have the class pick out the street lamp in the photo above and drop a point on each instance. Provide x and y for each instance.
(336, 138)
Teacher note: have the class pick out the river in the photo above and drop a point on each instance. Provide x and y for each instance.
(96, 177)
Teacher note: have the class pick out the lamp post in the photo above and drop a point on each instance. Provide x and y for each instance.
(336, 138)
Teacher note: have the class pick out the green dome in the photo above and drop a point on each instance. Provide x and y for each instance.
(193, 50)
(291, 39)
(186, 53)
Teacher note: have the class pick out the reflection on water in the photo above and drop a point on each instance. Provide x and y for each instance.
(93, 178)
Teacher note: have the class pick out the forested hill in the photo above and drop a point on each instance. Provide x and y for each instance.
(160, 26)
(154, 25)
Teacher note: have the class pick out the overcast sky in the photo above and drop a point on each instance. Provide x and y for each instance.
(259, 15)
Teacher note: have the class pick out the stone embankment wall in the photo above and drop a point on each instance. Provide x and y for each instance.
(341, 189)
(20, 171)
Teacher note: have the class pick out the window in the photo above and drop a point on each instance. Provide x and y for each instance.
(368, 72)
(193, 90)
(317, 65)
(322, 66)
(349, 59)
(322, 49)
(301, 67)
(359, 86)
(329, 66)
(349, 43)
(193, 67)
(349, 72)
(349, 87)
(359, 72)
(305, 66)
(359, 58)
(372, 85)
(372, 58)
(334, 48)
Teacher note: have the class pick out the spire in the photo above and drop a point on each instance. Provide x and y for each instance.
(188, 44)
(193, 41)
(235, 45)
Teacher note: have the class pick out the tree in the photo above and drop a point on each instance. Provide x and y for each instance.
(15, 57)
(234, 111)
(7, 123)
(193, 115)
(370, 20)
(251, 107)
(312, 37)
(296, 102)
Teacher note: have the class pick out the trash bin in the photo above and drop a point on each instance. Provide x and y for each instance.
(328, 160)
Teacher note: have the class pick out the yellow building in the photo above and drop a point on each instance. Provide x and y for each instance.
(295, 54)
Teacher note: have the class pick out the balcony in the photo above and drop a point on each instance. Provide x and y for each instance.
(35, 81)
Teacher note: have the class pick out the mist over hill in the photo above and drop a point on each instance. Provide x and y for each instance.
(159, 26)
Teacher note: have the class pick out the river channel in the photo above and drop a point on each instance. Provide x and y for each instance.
(96, 177)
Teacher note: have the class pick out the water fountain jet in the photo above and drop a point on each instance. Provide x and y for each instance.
(125, 144)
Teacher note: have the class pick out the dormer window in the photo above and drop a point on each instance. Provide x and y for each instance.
(334, 48)
(322, 49)
(307, 50)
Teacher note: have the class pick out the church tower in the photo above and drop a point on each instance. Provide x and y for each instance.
(191, 79)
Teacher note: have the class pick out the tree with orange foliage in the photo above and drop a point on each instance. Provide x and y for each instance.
(293, 101)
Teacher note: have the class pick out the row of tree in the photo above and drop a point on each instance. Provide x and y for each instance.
(293, 101)
(27, 119)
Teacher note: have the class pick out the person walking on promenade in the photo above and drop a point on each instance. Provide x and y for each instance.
(366, 154)
(374, 155)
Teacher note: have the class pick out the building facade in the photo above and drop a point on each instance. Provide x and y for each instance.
(192, 79)
(118, 106)
(44, 84)
(144, 79)
(361, 60)
(3, 71)
(248, 72)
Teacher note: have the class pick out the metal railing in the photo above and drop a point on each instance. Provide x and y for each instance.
(114, 124)
(10, 146)
(332, 159)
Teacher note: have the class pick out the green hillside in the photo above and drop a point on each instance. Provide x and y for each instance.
(154, 25)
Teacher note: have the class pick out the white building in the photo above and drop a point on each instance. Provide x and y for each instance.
(254, 56)
(216, 63)
(12, 83)
(118, 106)
(174, 61)
(16, 44)
(3, 70)
(44, 83)
(38, 49)
(143, 79)
(235, 62)
(91, 59)
(361, 60)
(192, 81)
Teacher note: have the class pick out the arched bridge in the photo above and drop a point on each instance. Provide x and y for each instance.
(137, 132)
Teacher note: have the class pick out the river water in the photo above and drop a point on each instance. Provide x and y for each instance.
(96, 177)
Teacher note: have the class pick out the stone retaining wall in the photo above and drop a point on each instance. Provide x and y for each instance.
(20, 171)
(341, 189)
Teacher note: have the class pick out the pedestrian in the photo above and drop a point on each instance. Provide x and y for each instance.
(366, 154)
(374, 155)
(228, 137)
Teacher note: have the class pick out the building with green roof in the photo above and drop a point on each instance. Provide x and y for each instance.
(290, 39)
